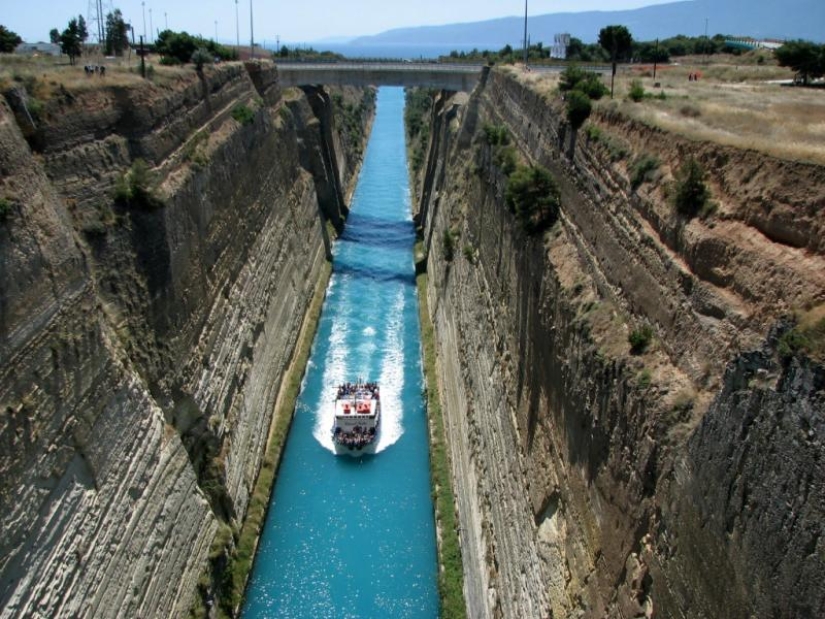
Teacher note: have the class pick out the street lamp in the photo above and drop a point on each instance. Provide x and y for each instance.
(237, 32)
(216, 31)
(525, 34)
(151, 27)
(143, 7)
(165, 21)
(251, 33)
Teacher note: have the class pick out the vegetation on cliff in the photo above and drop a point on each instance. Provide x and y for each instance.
(134, 188)
(418, 103)
(533, 196)
(233, 549)
(451, 570)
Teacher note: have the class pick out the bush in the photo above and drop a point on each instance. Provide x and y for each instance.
(496, 135)
(593, 133)
(578, 108)
(134, 188)
(534, 197)
(639, 339)
(506, 160)
(448, 240)
(808, 339)
(588, 82)
(470, 253)
(5, 209)
(691, 194)
(690, 111)
(637, 91)
(643, 170)
(201, 57)
(243, 114)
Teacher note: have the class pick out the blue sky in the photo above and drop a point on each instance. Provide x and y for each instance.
(294, 21)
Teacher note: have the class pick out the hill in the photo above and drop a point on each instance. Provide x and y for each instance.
(787, 20)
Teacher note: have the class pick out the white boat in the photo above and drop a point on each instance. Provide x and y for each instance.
(357, 421)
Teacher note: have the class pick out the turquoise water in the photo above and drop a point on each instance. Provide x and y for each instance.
(349, 537)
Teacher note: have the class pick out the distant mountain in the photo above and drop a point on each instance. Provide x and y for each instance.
(790, 19)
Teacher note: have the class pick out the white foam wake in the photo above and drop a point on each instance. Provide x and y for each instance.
(339, 370)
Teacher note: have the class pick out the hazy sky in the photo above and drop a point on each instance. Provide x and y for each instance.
(296, 21)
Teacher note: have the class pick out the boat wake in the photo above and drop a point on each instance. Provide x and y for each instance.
(341, 366)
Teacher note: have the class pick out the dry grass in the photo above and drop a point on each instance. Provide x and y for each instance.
(736, 102)
(757, 114)
(45, 76)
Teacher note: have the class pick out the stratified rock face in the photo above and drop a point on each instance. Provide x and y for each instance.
(686, 481)
(142, 347)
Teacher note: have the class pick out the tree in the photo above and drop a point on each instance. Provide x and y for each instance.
(117, 34)
(691, 192)
(70, 41)
(616, 40)
(8, 40)
(578, 111)
(805, 58)
(200, 57)
(588, 82)
(54, 36)
(533, 195)
(82, 31)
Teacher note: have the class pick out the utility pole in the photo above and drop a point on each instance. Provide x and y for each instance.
(143, 7)
(165, 21)
(151, 28)
(142, 59)
(706, 40)
(216, 31)
(237, 32)
(251, 33)
(655, 58)
(525, 34)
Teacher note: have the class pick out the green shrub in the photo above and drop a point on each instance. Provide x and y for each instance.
(593, 133)
(639, 339)
(588, 82)
(134, 188)
(496, 135)
(201, 57)
(194, 151)
(643, 379)
(691, 193)
(533, 195)
(5, 209)
(448, 240)
(505, 158)
(470, 253)
(637, 91)
(806, 339)
(243, 114)
(578, 108)
(643, 170)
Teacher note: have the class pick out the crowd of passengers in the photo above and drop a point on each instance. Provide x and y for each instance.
(358, 437)
(357, 388)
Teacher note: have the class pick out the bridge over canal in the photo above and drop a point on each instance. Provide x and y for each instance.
(446, 76)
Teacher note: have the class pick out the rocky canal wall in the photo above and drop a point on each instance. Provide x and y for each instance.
(683, 481)
(147, 314)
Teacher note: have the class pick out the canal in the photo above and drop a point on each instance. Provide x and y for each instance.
(349, 537)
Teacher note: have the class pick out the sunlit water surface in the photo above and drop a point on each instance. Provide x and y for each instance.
(350, 537)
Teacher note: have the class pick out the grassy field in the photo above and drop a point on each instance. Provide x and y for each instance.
(45, 76)
(735, 101)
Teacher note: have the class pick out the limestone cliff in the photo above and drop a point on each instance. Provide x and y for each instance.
(686, 481)
(143, 337)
